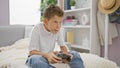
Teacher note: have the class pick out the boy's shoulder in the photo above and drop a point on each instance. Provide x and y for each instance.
(38, 25)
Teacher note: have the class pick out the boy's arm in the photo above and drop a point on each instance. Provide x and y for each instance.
(64, 49)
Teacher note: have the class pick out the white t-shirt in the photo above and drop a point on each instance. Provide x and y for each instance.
(44, 41)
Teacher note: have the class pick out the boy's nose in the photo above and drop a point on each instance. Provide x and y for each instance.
(58, 26)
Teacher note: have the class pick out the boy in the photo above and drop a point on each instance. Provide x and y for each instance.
(43, 39)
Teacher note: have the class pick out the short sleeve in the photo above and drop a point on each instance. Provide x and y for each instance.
(34, 39)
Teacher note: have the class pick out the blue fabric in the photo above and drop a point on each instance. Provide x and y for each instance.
(37, 61)
(115, 16)
(76, 62)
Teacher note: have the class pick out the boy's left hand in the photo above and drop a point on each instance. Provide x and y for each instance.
(70, 57)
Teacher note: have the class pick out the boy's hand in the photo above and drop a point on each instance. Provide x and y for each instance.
(52, 58)
(68, 54)
(71, 57)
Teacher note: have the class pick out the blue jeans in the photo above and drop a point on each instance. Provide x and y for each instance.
(37, 61)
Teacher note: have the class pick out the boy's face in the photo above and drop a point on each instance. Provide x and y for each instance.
(53, 24)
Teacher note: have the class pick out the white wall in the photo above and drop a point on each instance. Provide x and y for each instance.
(4, 12)
(26, 12)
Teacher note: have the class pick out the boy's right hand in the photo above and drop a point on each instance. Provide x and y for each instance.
(52, 58)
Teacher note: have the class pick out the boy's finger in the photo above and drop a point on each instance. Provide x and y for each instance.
(55, 52)
(56, 61)
(57, 58)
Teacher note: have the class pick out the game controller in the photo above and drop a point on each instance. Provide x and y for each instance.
(64, 57)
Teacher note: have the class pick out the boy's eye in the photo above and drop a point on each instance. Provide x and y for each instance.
(55, 22)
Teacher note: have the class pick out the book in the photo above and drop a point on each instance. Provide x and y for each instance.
(70, 37)
(67, 5)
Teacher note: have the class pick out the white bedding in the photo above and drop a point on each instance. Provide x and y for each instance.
(14, 56)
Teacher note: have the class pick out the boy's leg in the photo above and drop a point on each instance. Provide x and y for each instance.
(37, 61)
(76, 61)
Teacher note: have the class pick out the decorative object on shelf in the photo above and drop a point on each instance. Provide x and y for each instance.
(74, 22)
(72, 4)
(70, 17)
(70, 21)
(85, 19)
(70, 37)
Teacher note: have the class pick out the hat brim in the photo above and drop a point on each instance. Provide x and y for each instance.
(105, 11)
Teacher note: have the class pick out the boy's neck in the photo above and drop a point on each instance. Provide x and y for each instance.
(46, 28)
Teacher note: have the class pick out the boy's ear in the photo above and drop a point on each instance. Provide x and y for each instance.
(45, 21)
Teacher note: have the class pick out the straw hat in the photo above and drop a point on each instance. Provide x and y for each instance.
(108, 6)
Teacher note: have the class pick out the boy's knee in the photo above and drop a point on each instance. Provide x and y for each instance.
(34, 59)
(75, 54)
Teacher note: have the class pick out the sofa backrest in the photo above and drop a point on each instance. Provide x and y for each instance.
(10, 34)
